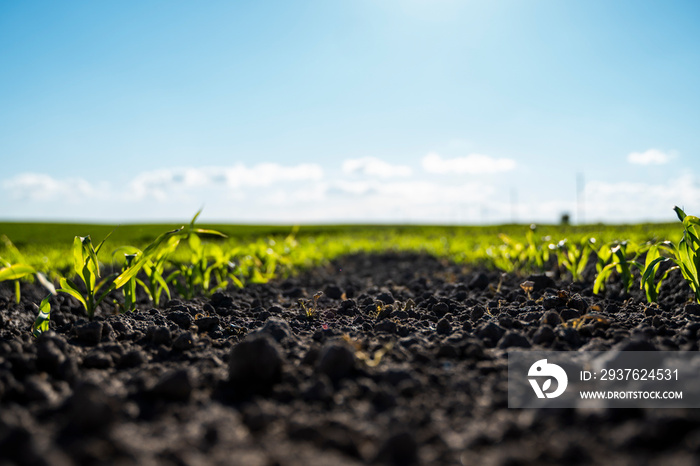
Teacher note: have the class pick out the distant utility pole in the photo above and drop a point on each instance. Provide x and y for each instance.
(580, 201)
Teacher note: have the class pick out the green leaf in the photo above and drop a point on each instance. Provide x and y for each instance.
(602, 277)
(78, 257)
(194, 219)
(201, 231)
(236, 281)
(70, 288)
(195, 244)
(162, 285)
(99, 246)
(104, 281)
(150, 251)
(92, 261)
(679, 212)
(41, 324)
(649, 276)
(686, 257)
(123, 251)
(16, 271)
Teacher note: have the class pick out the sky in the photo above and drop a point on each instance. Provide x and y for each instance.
(360, 111)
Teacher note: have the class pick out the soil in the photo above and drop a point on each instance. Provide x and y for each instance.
(245, 377)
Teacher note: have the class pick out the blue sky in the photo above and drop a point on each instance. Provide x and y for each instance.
(438, 111)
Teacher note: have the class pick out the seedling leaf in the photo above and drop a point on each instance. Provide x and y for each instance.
(70, 288)
(41, 324)
(16, 271)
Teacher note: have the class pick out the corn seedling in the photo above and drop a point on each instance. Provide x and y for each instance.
(513, 256)
(536, 252)
(154, 255)
(615, 258)
(15, 272)
(686, 256)
(87, 268)
(195, 275)
(652, 264)
(20, 269)
(129, 289)
(41, 324)
(574, 256)
(153, 269)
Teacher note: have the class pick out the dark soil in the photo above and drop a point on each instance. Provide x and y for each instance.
(245, 378)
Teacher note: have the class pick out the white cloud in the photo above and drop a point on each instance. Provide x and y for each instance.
(42, 187)
(164, 183)
(372, 166)
(410, 193)
(471, 164)
(632, 202)
(266, 174)
(649, 157)
(270, 192)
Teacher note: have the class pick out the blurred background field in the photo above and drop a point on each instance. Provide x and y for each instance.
(47, 246)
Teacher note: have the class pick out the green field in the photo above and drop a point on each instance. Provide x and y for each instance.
(47, 246)
(194, 260)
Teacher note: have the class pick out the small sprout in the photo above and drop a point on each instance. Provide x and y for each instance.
(528, 286)
(376, 358)
(302, 303)
(586, 319)
(500, 284)
(310, 311)
(41, 324)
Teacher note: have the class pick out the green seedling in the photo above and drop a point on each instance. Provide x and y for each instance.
(20, 269)
(685, 256)
(154, 255)
(573, 257)
(155, 284)
(129, 289)
(87, 268)
(195, 275)
(513, 256)
(41, 324)
(536, 254)
(652, 264)
(615, 258)
(233, 272)
(15, 272)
